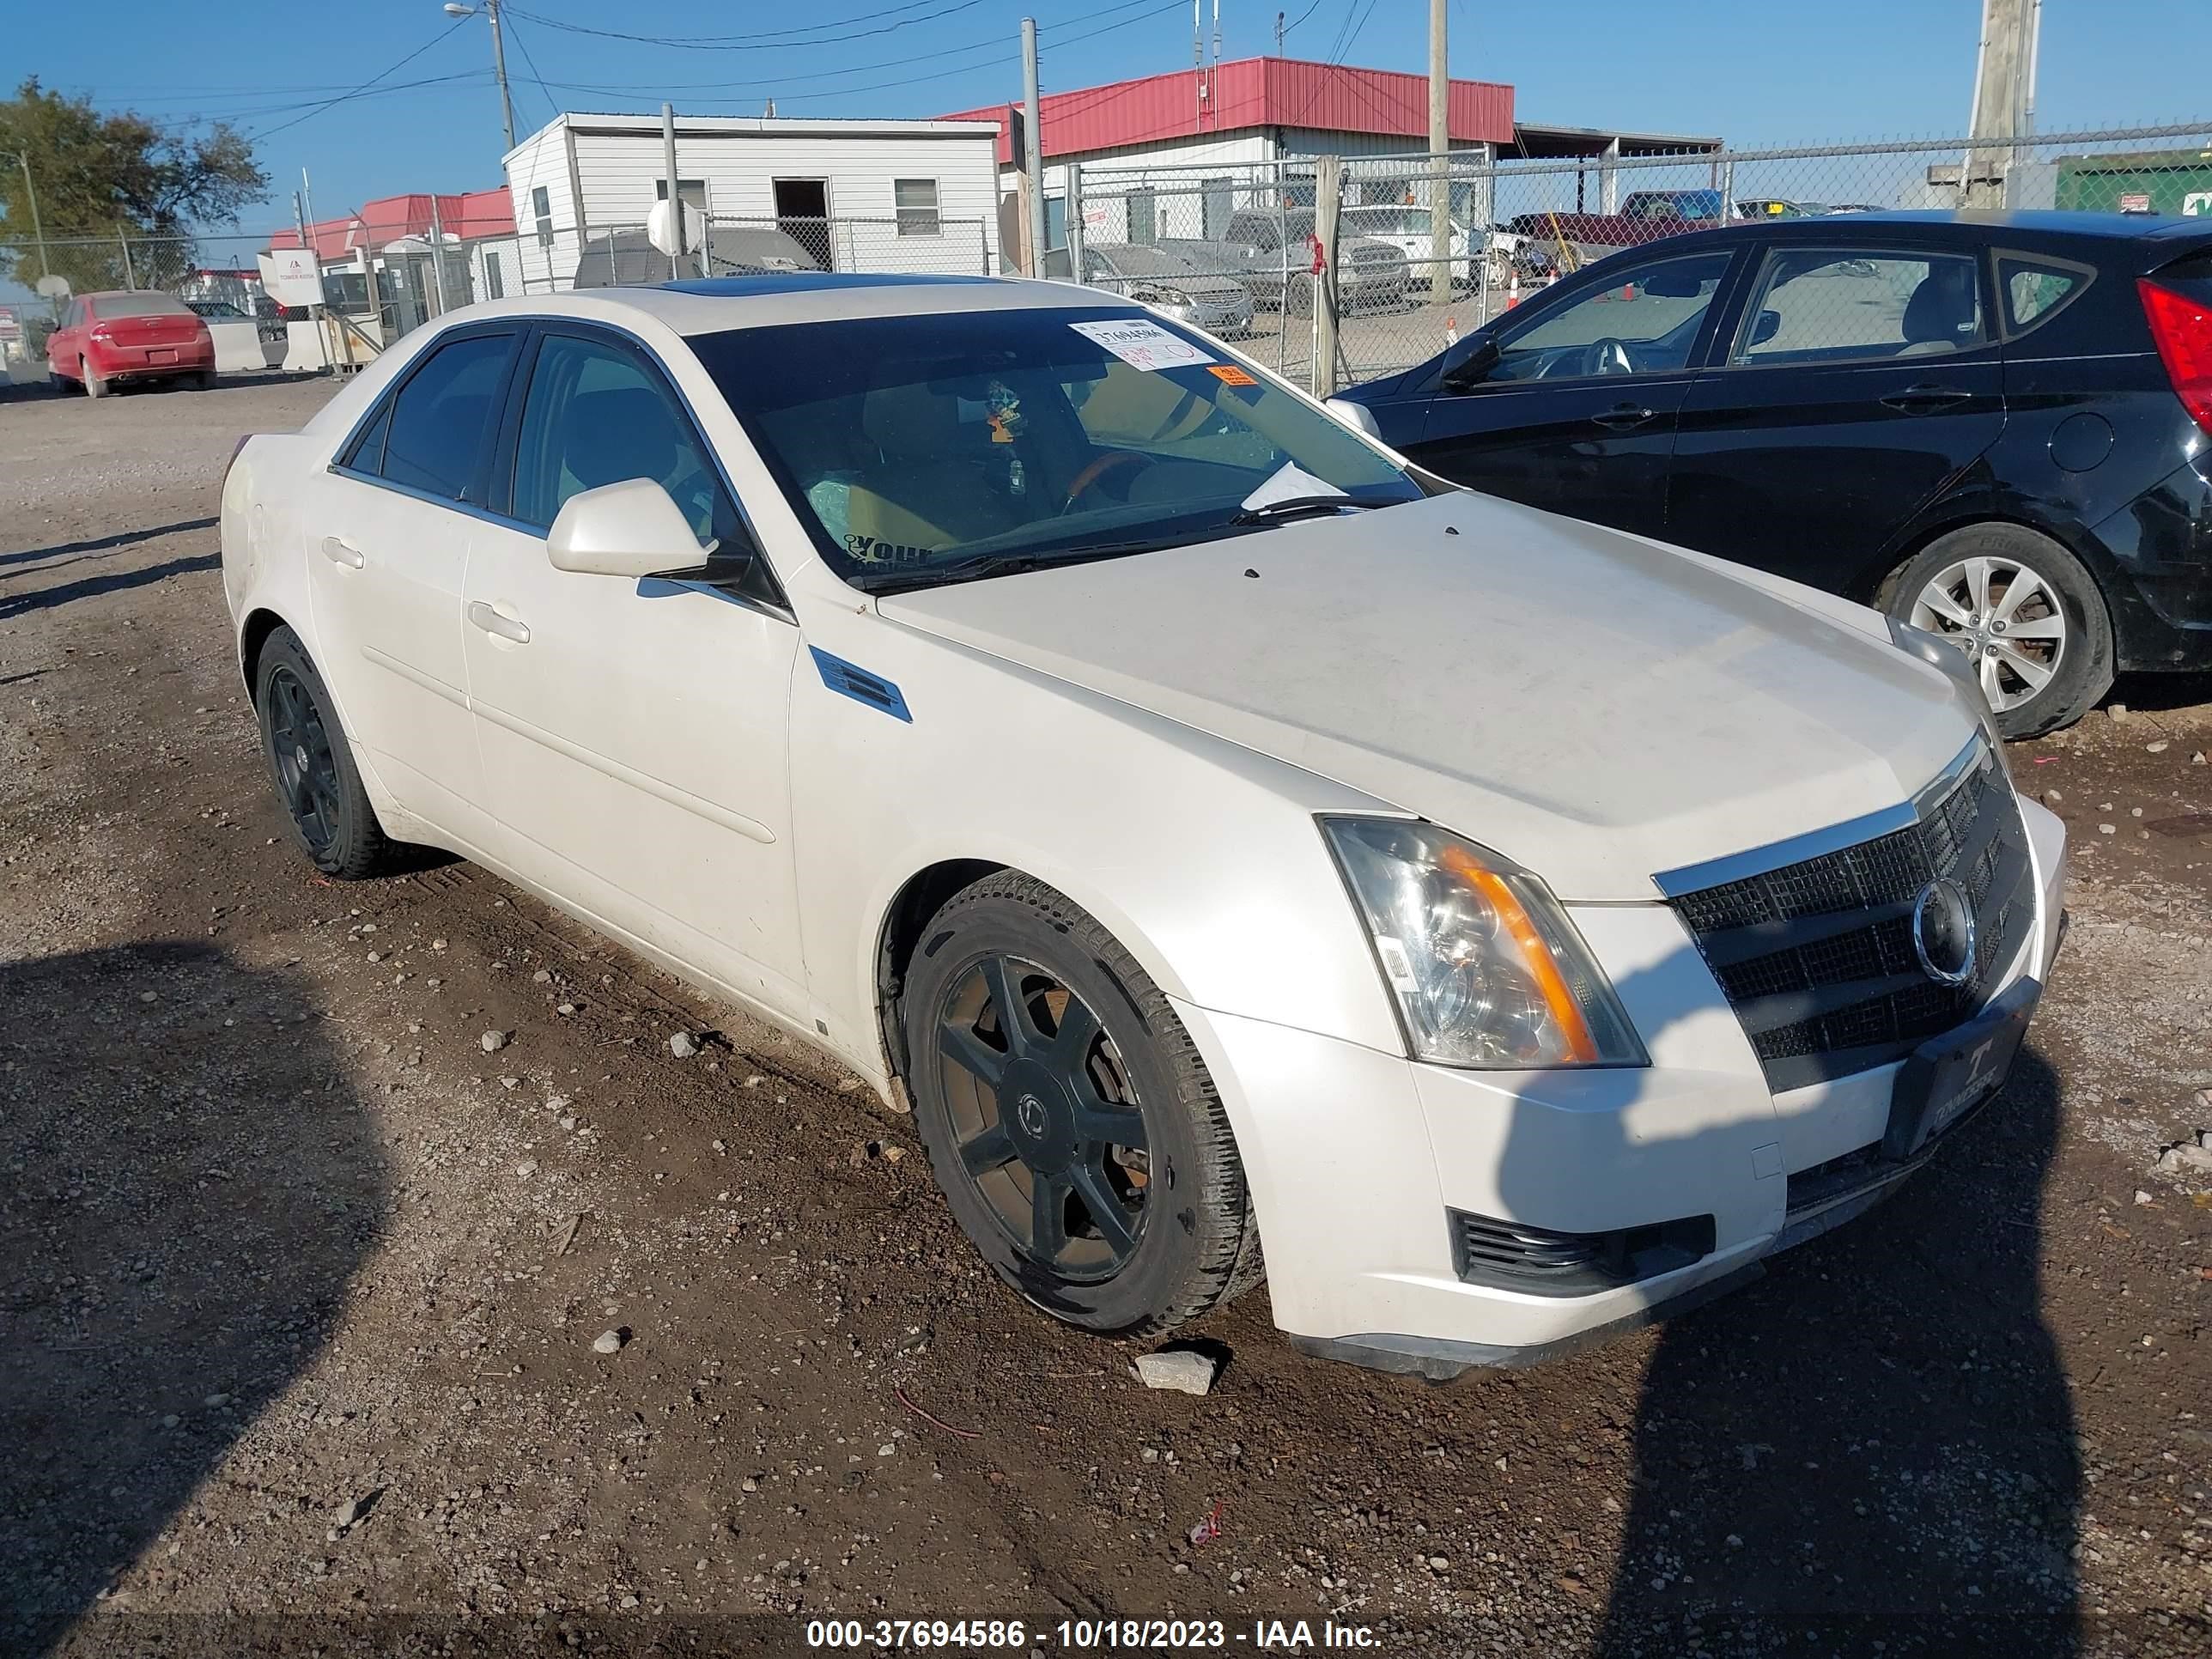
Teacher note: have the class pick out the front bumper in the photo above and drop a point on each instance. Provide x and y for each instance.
(1357, 1159)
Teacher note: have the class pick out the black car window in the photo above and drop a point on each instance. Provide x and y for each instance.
(1818, 306)
(2034, 289)
(367, 453)
(597, 413)
(442, 416)
(1645, 320)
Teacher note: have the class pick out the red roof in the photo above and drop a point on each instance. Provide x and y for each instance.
(389, 218)
(1254, 92)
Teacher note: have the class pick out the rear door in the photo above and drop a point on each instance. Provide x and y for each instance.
(388, 544)
(1860, 382)
(1577, 416)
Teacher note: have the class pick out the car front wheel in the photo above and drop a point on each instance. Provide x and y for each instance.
(2026, 612)
(1070, 1120)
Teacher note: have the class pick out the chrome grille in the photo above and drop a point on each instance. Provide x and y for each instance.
(1816, 956)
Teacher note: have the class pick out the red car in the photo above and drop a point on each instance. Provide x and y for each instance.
(140, 334)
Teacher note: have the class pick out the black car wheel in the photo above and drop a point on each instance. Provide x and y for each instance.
(331, 817)
(2025, 611)
(1068, 1116)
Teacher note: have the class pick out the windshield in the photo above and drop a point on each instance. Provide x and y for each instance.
(918, 448)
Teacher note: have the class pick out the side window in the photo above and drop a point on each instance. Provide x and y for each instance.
(367, 454)
(597, 413)
(442, 416)
(914, 201)
(1644, 321)
(2033, 289)
(1854, 305)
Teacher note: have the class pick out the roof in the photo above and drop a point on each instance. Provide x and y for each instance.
(1532, 139)
(470, 215)
(2033, 221)
(721, 303)
(632, 123)
(1254, 92)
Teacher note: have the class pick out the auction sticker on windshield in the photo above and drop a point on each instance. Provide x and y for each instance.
(1146, 344)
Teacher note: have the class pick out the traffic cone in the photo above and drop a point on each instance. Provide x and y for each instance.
(1513, 291)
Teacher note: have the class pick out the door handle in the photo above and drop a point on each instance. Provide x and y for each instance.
(338, 550)
(1622, 416)
(1925, 399)
(493, 623)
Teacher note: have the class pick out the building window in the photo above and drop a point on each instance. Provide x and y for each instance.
(1143, 228)
(915, 200)
(692, 192)
(541, 207)
(494, 285)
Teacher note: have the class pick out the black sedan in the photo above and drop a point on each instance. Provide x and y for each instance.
(1992, 425)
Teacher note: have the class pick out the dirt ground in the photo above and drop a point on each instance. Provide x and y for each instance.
(301, 1284)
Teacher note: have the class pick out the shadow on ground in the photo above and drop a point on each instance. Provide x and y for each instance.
(189, 1187)
(115, 581)
(1873, 1449)
(104, 543)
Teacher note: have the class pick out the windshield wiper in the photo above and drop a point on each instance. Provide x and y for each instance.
(1013, 564)
(1294, 506)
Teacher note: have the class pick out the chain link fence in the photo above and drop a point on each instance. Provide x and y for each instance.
(1400, 288)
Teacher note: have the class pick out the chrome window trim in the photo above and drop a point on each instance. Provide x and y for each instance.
(1834, 838)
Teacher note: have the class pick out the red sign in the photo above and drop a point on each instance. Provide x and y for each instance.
(2134, 201)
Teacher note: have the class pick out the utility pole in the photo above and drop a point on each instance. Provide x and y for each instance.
(38, 231)
(1439, 152)
(2004, 96)
(1032, 147)
(674, 197)
(490, 10)
(1279, 34)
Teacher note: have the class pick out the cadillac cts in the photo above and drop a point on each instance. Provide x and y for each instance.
(1224, 836)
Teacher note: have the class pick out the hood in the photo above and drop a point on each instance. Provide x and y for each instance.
(1595, 707)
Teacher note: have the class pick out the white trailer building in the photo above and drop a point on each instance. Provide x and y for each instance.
(857, 194)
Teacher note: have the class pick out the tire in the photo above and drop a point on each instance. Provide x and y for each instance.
(94, 386)
(2071, 648)
(1140, 1072)
(317, 785)
(203, 382)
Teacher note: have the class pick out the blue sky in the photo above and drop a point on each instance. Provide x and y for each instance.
(1753, 72)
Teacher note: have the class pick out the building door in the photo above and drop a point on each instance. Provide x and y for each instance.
(802, 213)
(1220, 204)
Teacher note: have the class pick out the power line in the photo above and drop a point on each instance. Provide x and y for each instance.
(763, 42)
(535, 78)
(331, 103)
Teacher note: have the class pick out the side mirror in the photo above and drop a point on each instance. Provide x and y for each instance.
(632, 530)
(1358, 416)
(1768, 325)
(1475, 360)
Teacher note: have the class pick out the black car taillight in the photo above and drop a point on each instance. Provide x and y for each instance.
(2181, 326)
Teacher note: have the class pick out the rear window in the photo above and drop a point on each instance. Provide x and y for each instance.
(148, 304)
(2035, 290)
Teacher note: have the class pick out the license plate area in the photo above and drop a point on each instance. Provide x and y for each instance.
(1948, 1076)
(158, 356)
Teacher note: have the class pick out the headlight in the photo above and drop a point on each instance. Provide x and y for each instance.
(1939, 652)
(1484, 968)
(1171, 298)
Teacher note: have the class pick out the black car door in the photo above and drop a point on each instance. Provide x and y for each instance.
(1860, 382)
(1575, 414)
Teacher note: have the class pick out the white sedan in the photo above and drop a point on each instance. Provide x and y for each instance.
(1216, 831)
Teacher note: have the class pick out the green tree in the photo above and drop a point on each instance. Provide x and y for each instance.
(98, 173)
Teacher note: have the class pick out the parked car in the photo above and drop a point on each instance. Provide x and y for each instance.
(1169, 279)
(1645, 216)
(1991, 425)
(1213, 835)
(128, 337)
(1370, 276)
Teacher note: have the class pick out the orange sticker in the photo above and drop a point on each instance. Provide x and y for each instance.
(1232, 373)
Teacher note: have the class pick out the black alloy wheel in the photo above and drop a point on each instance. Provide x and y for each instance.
(331, 819)
(1070, 1120)
(1050, 1131)
(299, 752)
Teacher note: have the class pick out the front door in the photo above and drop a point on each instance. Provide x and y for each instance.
(634, 733)
(385, 580)
(1576, 416)
(1861, 383)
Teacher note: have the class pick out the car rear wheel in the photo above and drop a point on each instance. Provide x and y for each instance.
(318, 784)
(2025, 611)
(1068, 1117)
(95, 387)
